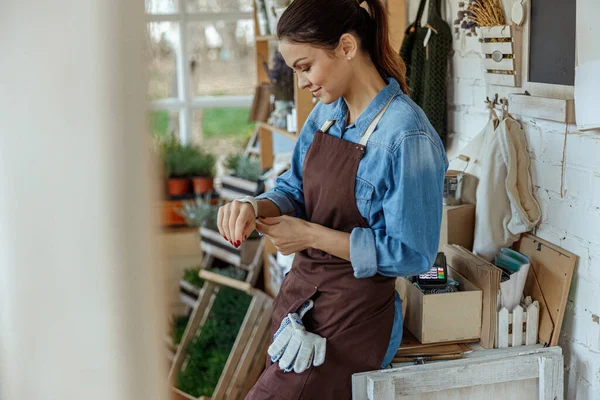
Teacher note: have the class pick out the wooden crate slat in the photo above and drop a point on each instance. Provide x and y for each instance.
(502, 47)
(221, 253)
(254, 357)
(199, 314)
(238, 347)
(226, 281)
(506, 64)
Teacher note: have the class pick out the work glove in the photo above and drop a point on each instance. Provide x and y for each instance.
(294, 347)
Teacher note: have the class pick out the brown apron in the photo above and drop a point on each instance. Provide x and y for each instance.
(354, 315)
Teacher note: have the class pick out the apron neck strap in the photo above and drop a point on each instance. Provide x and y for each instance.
(373, 125)
(327, 125)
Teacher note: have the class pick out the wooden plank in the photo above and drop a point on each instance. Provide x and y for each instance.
(502, 335)
(267, 38)
(475, 372)
(531, 333)
(397, 22)
(542, 107)
(304, 105)
(253, 359)
(250, 186)
(227, 281)
(238, 347)
(199, 314)
(503, 47)
(380, 388)
(546, 384)
(265, 137)
(262, 54)
(501, 79)
(517, 326)
(553, 267)
(220, 253)
(506, 64)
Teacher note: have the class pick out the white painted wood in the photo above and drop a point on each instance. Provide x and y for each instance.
(503, 47)
(531, 333)
(502, 334)
(500, 31)
(517, 326)
(501, 80)
(506, 64)
(81, 283)
(526, 389)
(546, 379)
(542, 107)
(517, 13)
(183, 78)
(380, 388)
(200, 16)
(494, 367)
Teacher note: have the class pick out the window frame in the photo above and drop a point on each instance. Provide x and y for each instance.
(185, 103)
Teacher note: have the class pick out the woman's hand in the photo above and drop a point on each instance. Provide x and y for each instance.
(236, 221)
(288, 234)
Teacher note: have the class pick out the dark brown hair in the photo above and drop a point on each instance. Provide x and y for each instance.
(321, 23)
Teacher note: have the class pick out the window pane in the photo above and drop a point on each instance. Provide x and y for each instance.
(221, 58)
(161, 6)
(163, 123)
(216, 6)
(162, 46)
(224, 129)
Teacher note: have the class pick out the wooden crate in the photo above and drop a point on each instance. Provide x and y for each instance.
(247, 357)
(248, 256)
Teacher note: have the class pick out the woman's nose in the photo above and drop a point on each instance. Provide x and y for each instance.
(303, 83)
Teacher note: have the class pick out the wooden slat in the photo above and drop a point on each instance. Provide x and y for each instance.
(517, 326)
(542, 107)
(531, 333)
(501, 79)
(380, 388)
(199, 314)
(227, 281)
(244, 184)
(220, 253)
(304, 104)
(506, 64)
(258, 366)
(267, 38)
(502, 334)
(225, 381)
(493, 32)
(252, 359)
(503, 47)
(265, 138)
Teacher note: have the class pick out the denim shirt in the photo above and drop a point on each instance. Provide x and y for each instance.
(398, 188)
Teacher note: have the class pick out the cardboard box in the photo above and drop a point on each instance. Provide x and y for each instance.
(446, 317)
(458, 225)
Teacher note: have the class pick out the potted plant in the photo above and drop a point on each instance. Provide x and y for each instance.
(243, 178)
(177, 160)
(202, 170)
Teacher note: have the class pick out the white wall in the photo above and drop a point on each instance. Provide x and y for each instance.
(81, 306)
(572, 222)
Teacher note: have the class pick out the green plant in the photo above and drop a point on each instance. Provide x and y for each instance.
(243, 167)
(231, 271)
(207, 354)
(190, 275)
(179, 328)
(202, 164)
(201, 212)
(177, 158)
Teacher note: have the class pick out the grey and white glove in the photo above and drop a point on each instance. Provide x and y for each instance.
(294, 347)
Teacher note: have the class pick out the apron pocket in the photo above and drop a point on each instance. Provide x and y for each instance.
(293, 293)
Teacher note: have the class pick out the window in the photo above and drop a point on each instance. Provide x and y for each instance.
(201, 66)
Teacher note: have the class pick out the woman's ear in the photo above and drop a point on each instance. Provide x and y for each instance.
(348, 46)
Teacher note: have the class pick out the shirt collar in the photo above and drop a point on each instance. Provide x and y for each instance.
(374, 107)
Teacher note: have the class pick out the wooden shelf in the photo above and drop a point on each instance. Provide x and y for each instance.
(279, 131)
(267, 38)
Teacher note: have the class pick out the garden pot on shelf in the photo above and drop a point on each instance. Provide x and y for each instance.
(178, 186)
(202, 184)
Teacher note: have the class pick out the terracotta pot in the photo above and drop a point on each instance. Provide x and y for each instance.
(202, 184)
(178, 186)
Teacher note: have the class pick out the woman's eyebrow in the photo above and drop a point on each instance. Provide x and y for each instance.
(298, 60)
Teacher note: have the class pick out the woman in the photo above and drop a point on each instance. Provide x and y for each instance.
(360, 205)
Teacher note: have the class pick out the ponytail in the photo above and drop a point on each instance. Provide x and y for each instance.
(385, 58)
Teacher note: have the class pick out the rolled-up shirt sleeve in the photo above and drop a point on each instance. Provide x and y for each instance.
(412, 207)
(288, 192)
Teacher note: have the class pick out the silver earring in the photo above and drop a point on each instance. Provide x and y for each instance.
(349, 58)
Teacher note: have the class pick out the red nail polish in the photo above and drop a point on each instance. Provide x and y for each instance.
(237, 244)
(226, 238)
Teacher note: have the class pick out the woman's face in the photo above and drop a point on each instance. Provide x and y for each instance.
(322, 72)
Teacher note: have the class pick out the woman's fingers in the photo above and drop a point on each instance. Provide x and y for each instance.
(234, 212)
(244, 220)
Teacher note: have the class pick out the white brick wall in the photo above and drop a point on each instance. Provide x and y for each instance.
(572, 221)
